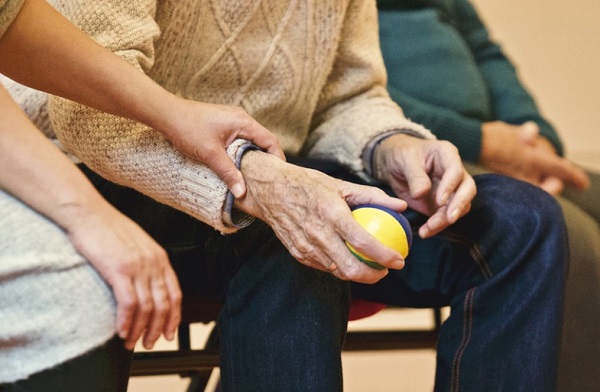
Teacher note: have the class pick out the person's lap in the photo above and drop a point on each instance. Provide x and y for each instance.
(264, 287)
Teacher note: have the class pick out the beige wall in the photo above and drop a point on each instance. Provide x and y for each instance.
(556, 47)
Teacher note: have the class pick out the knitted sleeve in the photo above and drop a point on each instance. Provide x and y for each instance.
(8, 12)
(126, 152)
(511, 102)
(447, 124)
(355, 107)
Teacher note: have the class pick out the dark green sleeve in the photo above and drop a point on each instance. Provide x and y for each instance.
(511, 102)
(444, 123)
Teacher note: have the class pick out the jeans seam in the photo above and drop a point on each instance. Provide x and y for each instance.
(475, 253)
(467, 330)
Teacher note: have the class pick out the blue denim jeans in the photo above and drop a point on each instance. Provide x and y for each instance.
(501, 269)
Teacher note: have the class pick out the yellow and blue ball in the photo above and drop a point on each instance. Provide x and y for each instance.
(388, 226)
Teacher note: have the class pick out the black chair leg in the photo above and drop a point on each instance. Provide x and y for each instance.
(199, 380)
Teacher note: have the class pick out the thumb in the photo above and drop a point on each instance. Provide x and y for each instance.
(223, 167)
(529, 132)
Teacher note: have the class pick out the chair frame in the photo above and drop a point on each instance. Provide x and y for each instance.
(198, 364)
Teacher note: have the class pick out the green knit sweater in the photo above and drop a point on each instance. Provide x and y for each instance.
(447, 74)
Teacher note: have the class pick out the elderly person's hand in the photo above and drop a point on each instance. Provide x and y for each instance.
(519, 151)
(429, 175)
(134, 265)
(309, 212)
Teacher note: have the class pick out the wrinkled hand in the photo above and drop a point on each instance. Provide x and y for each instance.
(309, 212)
(520, 152)
(429, 175)
(137, 269)
(203, 131)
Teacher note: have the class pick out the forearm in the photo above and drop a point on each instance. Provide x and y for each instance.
(41, 39)
(131, 154)
(38, 173)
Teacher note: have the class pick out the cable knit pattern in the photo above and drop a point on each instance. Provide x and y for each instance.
(309, 71)
(53, 305)
(8, 11)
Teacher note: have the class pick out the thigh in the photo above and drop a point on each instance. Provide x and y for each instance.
(105, 369)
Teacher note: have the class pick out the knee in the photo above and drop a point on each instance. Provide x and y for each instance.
(523, 209)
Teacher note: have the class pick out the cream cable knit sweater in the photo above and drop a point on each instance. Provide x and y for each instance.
(8, 11)
(310, 71)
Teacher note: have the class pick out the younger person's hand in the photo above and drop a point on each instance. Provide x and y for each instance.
(202, 132)
(519, 151)
(137, 269)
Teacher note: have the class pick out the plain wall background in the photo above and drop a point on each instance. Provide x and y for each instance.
(556, 48)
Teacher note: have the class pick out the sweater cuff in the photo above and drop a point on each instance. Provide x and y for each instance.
(368, 154)
(232, 216)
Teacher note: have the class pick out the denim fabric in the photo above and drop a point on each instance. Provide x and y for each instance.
(282, 325)
(501, 269)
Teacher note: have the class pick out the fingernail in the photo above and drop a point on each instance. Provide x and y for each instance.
(399, 264)
(444, 199)
(454, 215)
(237, 190)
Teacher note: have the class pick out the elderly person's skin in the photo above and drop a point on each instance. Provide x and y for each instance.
(521, 152)
(309, 210)
(41, 40)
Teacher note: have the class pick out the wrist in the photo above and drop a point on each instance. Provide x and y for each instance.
(80, 212)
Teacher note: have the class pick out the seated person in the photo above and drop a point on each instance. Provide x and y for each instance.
(446, 73)
(312, 73)
(66, 255)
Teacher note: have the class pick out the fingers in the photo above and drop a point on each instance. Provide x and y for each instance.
(155, 311)
(529, 132)
(160, 312)
(148, 300)
(142, 313)
(263, 138)
(224, 167)
(126, 304)
(552, 185)
(566, 171)
(462, 190)
(358, 194)
(175, 297)
(435, 224)
(370, 247)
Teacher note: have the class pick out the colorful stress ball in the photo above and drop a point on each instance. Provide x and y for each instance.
(388, 226)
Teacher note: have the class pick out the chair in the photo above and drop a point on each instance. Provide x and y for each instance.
(198, 364)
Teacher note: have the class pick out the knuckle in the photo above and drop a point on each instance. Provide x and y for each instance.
(128, 304)
(176, 298)
(145, 306)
